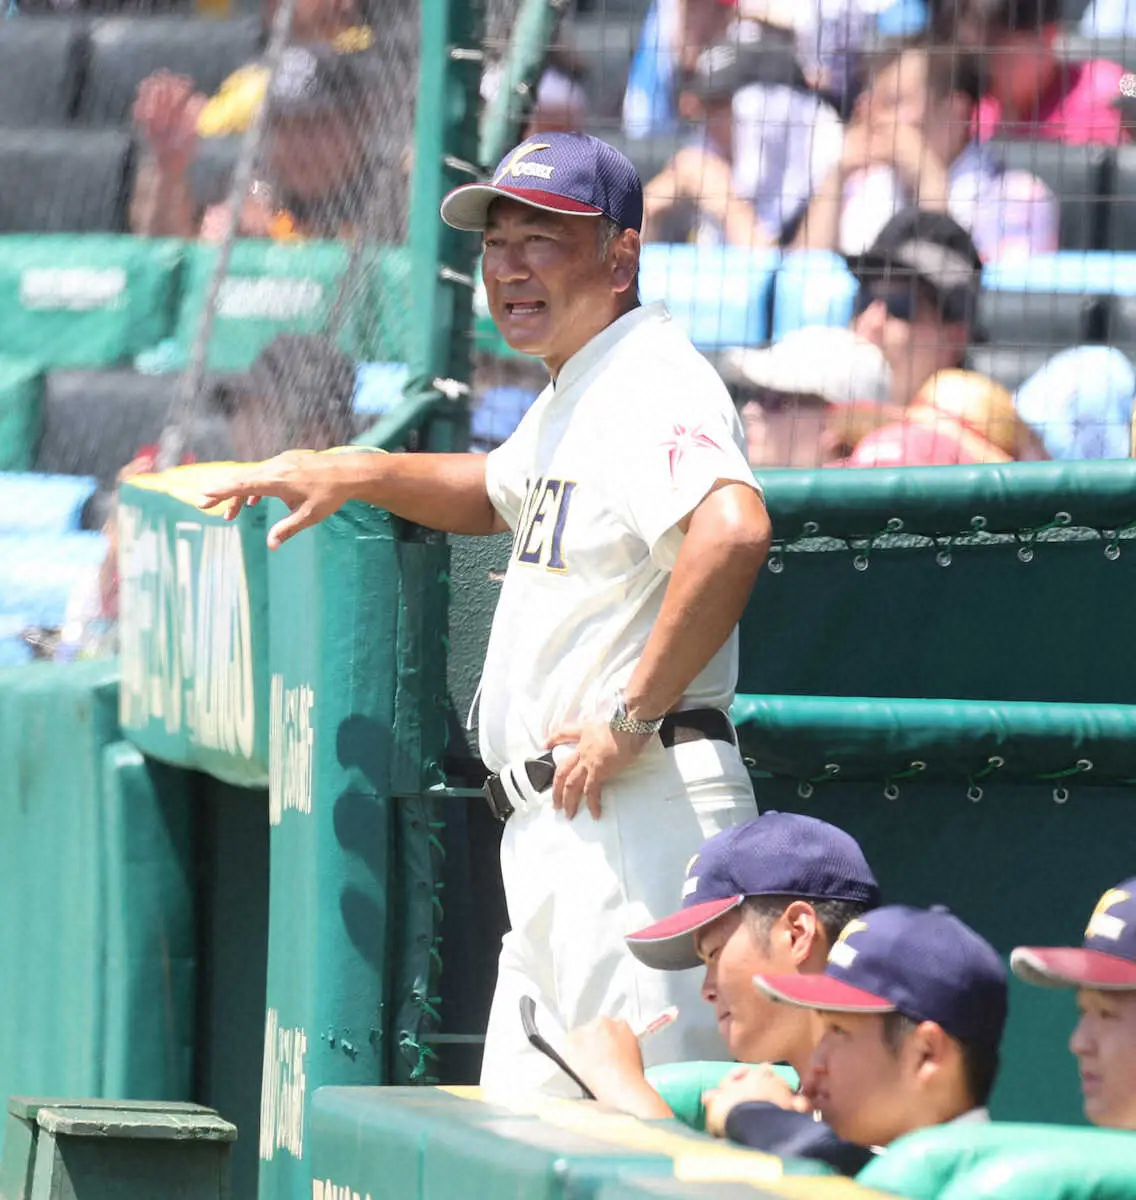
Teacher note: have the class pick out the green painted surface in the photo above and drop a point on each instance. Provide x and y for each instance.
(86, 301)
(98, 994)
(282, 287)
(333, 660)
(194, 635)
(21, 397)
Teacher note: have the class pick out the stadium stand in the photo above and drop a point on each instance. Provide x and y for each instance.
(123, 51)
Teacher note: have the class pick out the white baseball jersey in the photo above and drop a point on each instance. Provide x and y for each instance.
(626, 442)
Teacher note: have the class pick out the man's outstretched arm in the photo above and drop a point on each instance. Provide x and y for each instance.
(440, 491)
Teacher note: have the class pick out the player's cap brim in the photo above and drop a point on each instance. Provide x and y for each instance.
(467, 207)
(668, 945)
(821, 992)
(1072, 966)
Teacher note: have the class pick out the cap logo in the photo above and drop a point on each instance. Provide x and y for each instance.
(517, 166)
(1100, 923)
(842, 954)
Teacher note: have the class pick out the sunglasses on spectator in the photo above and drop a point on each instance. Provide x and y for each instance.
(902, 303)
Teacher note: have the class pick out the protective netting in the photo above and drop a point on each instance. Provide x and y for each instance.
(991, 322)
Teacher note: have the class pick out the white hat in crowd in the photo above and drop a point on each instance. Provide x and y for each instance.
(826, 361)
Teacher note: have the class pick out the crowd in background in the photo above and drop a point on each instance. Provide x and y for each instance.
(801, 126)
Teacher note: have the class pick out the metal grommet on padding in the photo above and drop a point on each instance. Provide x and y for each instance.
(804, 789)
(891, 792)
(974, 793)
(860, 562)
(943, 558)
(1060, 795)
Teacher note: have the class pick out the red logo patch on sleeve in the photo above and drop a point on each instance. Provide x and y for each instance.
(683, 440)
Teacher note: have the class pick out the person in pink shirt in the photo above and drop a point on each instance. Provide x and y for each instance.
(1034, 93)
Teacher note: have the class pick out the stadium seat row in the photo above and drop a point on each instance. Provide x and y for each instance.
(58, 70)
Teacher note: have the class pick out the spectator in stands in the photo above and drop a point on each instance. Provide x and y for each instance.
(919, 283)
(777, 889)
(298, 394)
(790, 390)
(912, 1005)
(170, 113)
(956, 417)
(316, 150)
(561, 101)
(766, 142)
(1034, 93)
(674, 34)
(828, 35)
(909, 142)
(1081, 403)
(1103, 970)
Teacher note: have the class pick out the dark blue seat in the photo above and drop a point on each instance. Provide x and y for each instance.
(124, 51)
(41, 61)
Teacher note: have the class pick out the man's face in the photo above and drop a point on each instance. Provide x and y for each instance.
(549, 292)
(900, 94)
(1104, 1043)
(755, 1028)
(899, 317)
(857, 1081)
(310, 157)
(1021, 65)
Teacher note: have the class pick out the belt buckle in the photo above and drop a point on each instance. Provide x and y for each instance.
(496, 798)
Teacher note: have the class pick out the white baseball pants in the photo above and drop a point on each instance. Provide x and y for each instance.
(574, 889)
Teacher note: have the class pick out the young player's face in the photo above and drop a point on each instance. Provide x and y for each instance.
(1104, 1043)
(549, 291)
(755, 1028)
(857, 1081)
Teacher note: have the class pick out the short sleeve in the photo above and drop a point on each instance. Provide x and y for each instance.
(506, 477)
(674, 460)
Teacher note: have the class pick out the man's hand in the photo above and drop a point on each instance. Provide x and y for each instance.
(920, 170)
(606, 1056)
(746, 1084)
(598, 754)
(166, 111)
(308, 483)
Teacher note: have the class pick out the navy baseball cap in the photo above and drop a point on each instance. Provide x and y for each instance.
(922, 962)
(776, 854)
(571, 173)
(1105, 960)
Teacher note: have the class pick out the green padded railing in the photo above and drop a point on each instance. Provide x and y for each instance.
(817, 738)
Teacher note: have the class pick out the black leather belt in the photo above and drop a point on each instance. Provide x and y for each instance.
(692, 725)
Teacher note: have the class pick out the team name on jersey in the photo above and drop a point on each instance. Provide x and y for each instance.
(539, 539)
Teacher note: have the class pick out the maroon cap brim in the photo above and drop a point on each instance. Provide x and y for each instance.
(821, 992)
(467, 207)
(1072, 966)
(668, 945)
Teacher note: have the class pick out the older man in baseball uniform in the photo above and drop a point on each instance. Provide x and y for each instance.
(638, 532)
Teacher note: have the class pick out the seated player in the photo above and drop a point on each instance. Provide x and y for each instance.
(1103, 970)
(912, 1006)
(768, 895)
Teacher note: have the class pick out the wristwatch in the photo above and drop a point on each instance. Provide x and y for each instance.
(621, 723)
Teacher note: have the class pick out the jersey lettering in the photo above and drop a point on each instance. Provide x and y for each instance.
(540, 531)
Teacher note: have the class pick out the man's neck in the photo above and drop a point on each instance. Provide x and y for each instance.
(555, 364)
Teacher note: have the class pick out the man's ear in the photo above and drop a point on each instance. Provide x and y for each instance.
(625, 260)
(806, 939)
(929, 1049)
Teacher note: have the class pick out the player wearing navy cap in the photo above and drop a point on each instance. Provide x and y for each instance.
(638, 531)
(770, 895)
(1103, 970)
(913, 1004)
